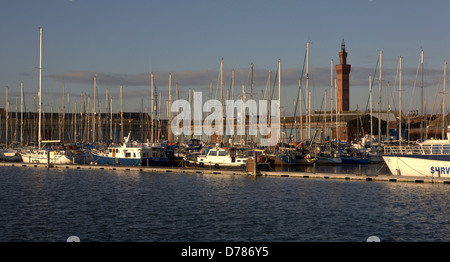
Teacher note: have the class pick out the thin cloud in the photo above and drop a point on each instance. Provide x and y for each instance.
(319, 77)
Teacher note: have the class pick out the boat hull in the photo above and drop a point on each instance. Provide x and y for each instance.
(328, 160)
(106, 160)
(58, 159)
(354, 160)
(419, 165)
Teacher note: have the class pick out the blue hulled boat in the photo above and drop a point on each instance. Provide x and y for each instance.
(130, 154)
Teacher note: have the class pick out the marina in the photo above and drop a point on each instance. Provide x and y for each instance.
(154, 141)
(187, 124)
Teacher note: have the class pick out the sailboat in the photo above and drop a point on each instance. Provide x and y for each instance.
(42, 155)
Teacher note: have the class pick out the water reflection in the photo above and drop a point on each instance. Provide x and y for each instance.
(52, 205)
(371, 169)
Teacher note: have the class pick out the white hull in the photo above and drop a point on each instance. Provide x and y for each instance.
(35, 157)
(219, 158)
(416, 166)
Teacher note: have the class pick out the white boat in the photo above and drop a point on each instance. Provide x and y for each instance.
(430, 158)
(220, 157)
(43, 156)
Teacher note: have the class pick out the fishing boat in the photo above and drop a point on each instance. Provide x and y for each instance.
(131, 154)
(219, 157)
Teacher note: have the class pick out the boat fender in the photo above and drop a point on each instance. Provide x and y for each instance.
(308, 156)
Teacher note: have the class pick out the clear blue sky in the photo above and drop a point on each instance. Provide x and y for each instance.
(122, 41)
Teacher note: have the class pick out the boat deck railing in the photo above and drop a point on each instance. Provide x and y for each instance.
(435, 149)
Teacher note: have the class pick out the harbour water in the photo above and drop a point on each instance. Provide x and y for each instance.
(50, 205)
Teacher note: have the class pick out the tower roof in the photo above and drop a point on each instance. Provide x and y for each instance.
(343, 44)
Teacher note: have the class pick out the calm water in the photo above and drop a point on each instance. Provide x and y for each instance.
(51, 205)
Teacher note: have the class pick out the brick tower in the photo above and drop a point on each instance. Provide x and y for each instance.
(343, 81)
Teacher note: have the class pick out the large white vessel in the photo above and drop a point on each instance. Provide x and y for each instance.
(430, 158)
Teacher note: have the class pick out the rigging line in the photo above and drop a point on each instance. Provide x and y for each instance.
(321, 107)
(274, 83)
(265, 91)
(371, 89)
(298, 94)
(248, 76)
(393, 89)
(34, 66)
(435, 98)
(414, 86)
(217, 86)
(229, 91)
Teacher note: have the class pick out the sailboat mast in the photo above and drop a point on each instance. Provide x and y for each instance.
(443, 102)
(111, 118)
(379, 102)
(21, 113)
(232, 85)
(169, 131)
(307, 91)
(40, 87)
(371, 112)
(121, 113)
(93, 125)
(387, 112)
(400, 102)
(331, 96)
(63, 113)
(337, 113)
(221, 81)
(301, 112)
(251, 90)
(269, 98)
(279, 97)
(325, 127)
(7, 116)
(421, 99)
(152, 105)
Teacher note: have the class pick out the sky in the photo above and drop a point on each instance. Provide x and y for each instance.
(121, 42)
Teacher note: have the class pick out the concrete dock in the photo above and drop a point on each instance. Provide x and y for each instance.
(304, 175)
